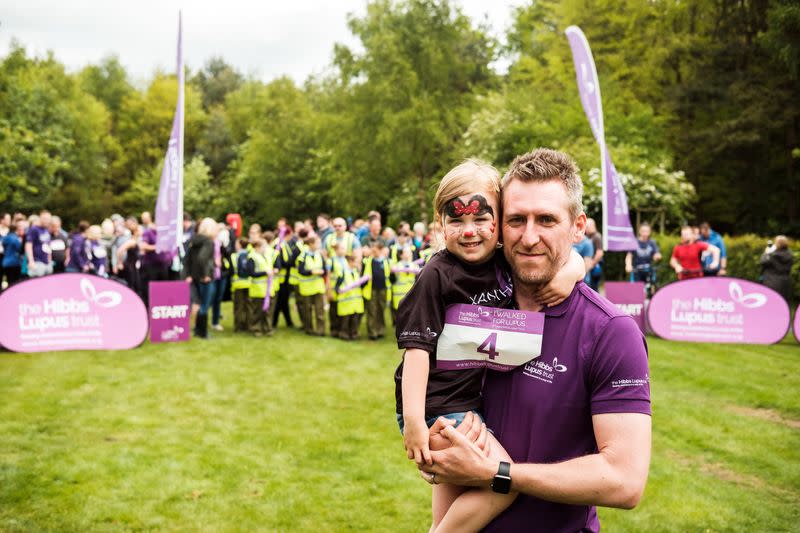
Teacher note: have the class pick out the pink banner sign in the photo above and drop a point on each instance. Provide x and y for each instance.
(719, 309)
(71, 312)
(629, 298)
(797, 323)
(169, 311)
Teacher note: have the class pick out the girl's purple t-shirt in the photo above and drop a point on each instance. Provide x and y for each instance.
(593, 361)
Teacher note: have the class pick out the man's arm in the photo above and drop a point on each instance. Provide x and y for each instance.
(615, 476)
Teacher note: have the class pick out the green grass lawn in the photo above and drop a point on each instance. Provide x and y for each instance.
(293, 433)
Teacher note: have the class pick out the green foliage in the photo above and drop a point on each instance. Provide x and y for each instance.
(700, 110)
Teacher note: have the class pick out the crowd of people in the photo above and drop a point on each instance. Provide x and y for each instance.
(350, 269)
(335, 270)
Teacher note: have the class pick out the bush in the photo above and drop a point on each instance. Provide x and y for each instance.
(743, 253)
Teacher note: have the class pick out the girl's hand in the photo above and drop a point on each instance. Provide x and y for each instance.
(415, 439)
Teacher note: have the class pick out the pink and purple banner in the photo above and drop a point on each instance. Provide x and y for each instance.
(618, 234)
(629, 298)
(797, 323)
(71, 312)
(169, 311)
(477, 336)
(719, 309)
(169, 206)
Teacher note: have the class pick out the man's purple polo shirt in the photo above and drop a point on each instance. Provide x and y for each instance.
(593, 361)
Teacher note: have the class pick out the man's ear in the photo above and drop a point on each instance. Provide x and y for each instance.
(579, 227)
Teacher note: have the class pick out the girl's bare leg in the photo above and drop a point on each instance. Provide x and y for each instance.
(442, 498)
(475, 508)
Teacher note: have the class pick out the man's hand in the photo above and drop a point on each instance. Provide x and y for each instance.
(463, 463)
(471, 427)
(415, 439)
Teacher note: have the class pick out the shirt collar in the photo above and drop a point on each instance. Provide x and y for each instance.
(556, 310)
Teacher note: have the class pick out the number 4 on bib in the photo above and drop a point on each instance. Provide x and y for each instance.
(489, 346)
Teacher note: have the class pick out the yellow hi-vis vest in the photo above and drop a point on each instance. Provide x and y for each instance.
(367, 290)
(261, 263)
(313, 284)
(350, 302)
(294, 278)
(403, 281)
(426, 255)
(238, 280)
(332, 240)
(336, 267)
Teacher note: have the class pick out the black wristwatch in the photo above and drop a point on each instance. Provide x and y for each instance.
(502, 480)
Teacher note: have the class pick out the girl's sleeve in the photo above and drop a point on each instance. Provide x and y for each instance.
(420, 316)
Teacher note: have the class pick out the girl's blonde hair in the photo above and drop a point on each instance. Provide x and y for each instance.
(207, 227)
(471, 176)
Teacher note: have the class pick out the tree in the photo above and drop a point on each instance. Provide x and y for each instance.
(404, 100)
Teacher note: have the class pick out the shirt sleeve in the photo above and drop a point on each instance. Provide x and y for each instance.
(420, 316)
(619, 378)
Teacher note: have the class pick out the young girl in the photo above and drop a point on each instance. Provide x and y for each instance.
(467, 272)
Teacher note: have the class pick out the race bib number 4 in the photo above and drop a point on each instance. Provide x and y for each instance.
(476, 336)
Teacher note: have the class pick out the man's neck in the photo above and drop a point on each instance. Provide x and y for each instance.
(524, 296)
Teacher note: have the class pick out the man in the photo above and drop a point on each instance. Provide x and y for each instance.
(155, 266)
(585, 249)
(373, 236)
(340, 235)
(686, 256)
(362, 230)
(639, 263)
(324, 226)
(596, 264)
(712, 237)
(576, 420)
(37, 247)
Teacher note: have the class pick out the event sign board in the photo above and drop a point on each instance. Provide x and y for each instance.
(71, 312)
(719, 309)
(169, 311)
(797, 323)
(629, 298)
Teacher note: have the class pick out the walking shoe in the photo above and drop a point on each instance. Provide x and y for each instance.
(217, 327)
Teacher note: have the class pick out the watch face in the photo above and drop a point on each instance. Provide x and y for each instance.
(501, 484)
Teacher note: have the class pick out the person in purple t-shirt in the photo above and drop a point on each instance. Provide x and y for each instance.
(37, 247)
(575, 420)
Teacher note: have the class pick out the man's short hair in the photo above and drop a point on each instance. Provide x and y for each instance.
(544, 164)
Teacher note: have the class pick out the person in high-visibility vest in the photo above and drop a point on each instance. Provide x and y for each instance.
(240, 286)
(260, 263)
(404, 273)
(377, 291)
(311, 287)
(336, 266)
(288, 252)
(338, 236)
(349, 300)
(403, 241)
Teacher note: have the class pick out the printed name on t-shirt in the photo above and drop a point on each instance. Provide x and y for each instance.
(486, 297)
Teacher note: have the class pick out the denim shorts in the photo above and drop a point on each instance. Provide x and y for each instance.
(457, 417)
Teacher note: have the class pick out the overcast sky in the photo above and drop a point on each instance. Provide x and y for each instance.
(265, 38)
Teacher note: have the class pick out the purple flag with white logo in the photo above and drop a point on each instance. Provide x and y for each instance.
(618, 234)
(169, 206)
